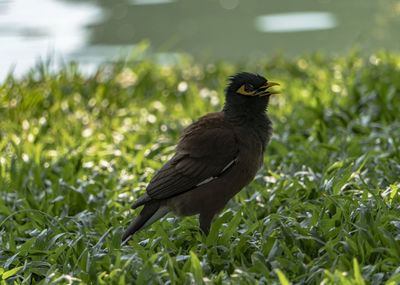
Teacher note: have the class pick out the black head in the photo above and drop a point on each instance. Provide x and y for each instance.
(247, 97)
(249, 85)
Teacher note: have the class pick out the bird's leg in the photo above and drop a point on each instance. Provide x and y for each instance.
(205, 222)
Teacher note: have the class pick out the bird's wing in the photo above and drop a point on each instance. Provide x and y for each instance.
(206, 149)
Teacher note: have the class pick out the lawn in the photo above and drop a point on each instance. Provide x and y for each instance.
(77, 150)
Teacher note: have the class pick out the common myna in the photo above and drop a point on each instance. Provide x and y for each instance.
(215, 158)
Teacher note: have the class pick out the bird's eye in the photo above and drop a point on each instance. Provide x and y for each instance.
(249, 87)
(246, 89)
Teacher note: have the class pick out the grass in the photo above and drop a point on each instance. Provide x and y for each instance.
(75, 151)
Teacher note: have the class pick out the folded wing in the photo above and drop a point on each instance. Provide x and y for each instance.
(205, 150)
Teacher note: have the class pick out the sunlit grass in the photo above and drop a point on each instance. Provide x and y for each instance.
(75, 151)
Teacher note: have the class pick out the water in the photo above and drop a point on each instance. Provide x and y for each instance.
(295, 22)
(235, 30)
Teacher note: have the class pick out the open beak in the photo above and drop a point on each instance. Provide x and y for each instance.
(262, 91)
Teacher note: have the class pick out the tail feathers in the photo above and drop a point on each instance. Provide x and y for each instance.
(141, 201)
(150, 213)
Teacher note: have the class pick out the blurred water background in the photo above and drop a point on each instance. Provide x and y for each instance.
(91, 32)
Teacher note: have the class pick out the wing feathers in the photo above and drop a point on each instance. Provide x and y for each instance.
(207, 148)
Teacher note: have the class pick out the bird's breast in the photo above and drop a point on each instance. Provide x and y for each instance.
(249, 161)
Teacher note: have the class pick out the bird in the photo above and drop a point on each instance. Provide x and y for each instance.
(216, 157)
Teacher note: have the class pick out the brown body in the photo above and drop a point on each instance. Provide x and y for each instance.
(210, 198)
(215, 158)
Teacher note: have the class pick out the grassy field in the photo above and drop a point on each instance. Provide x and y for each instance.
(75, 151)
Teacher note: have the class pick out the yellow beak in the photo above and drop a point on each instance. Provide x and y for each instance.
(269, 84)
(263, 89)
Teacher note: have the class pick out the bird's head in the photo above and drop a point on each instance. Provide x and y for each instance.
(248, 93)
(250, 85)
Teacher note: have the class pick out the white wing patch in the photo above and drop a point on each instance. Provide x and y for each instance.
(206, 181)
(228, 165)
(209, 179)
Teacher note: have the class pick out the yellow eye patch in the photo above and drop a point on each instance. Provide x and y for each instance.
(242, 91)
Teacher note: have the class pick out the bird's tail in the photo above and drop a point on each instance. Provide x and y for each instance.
(150, 213)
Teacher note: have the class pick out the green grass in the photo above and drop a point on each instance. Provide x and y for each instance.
(75, 151)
